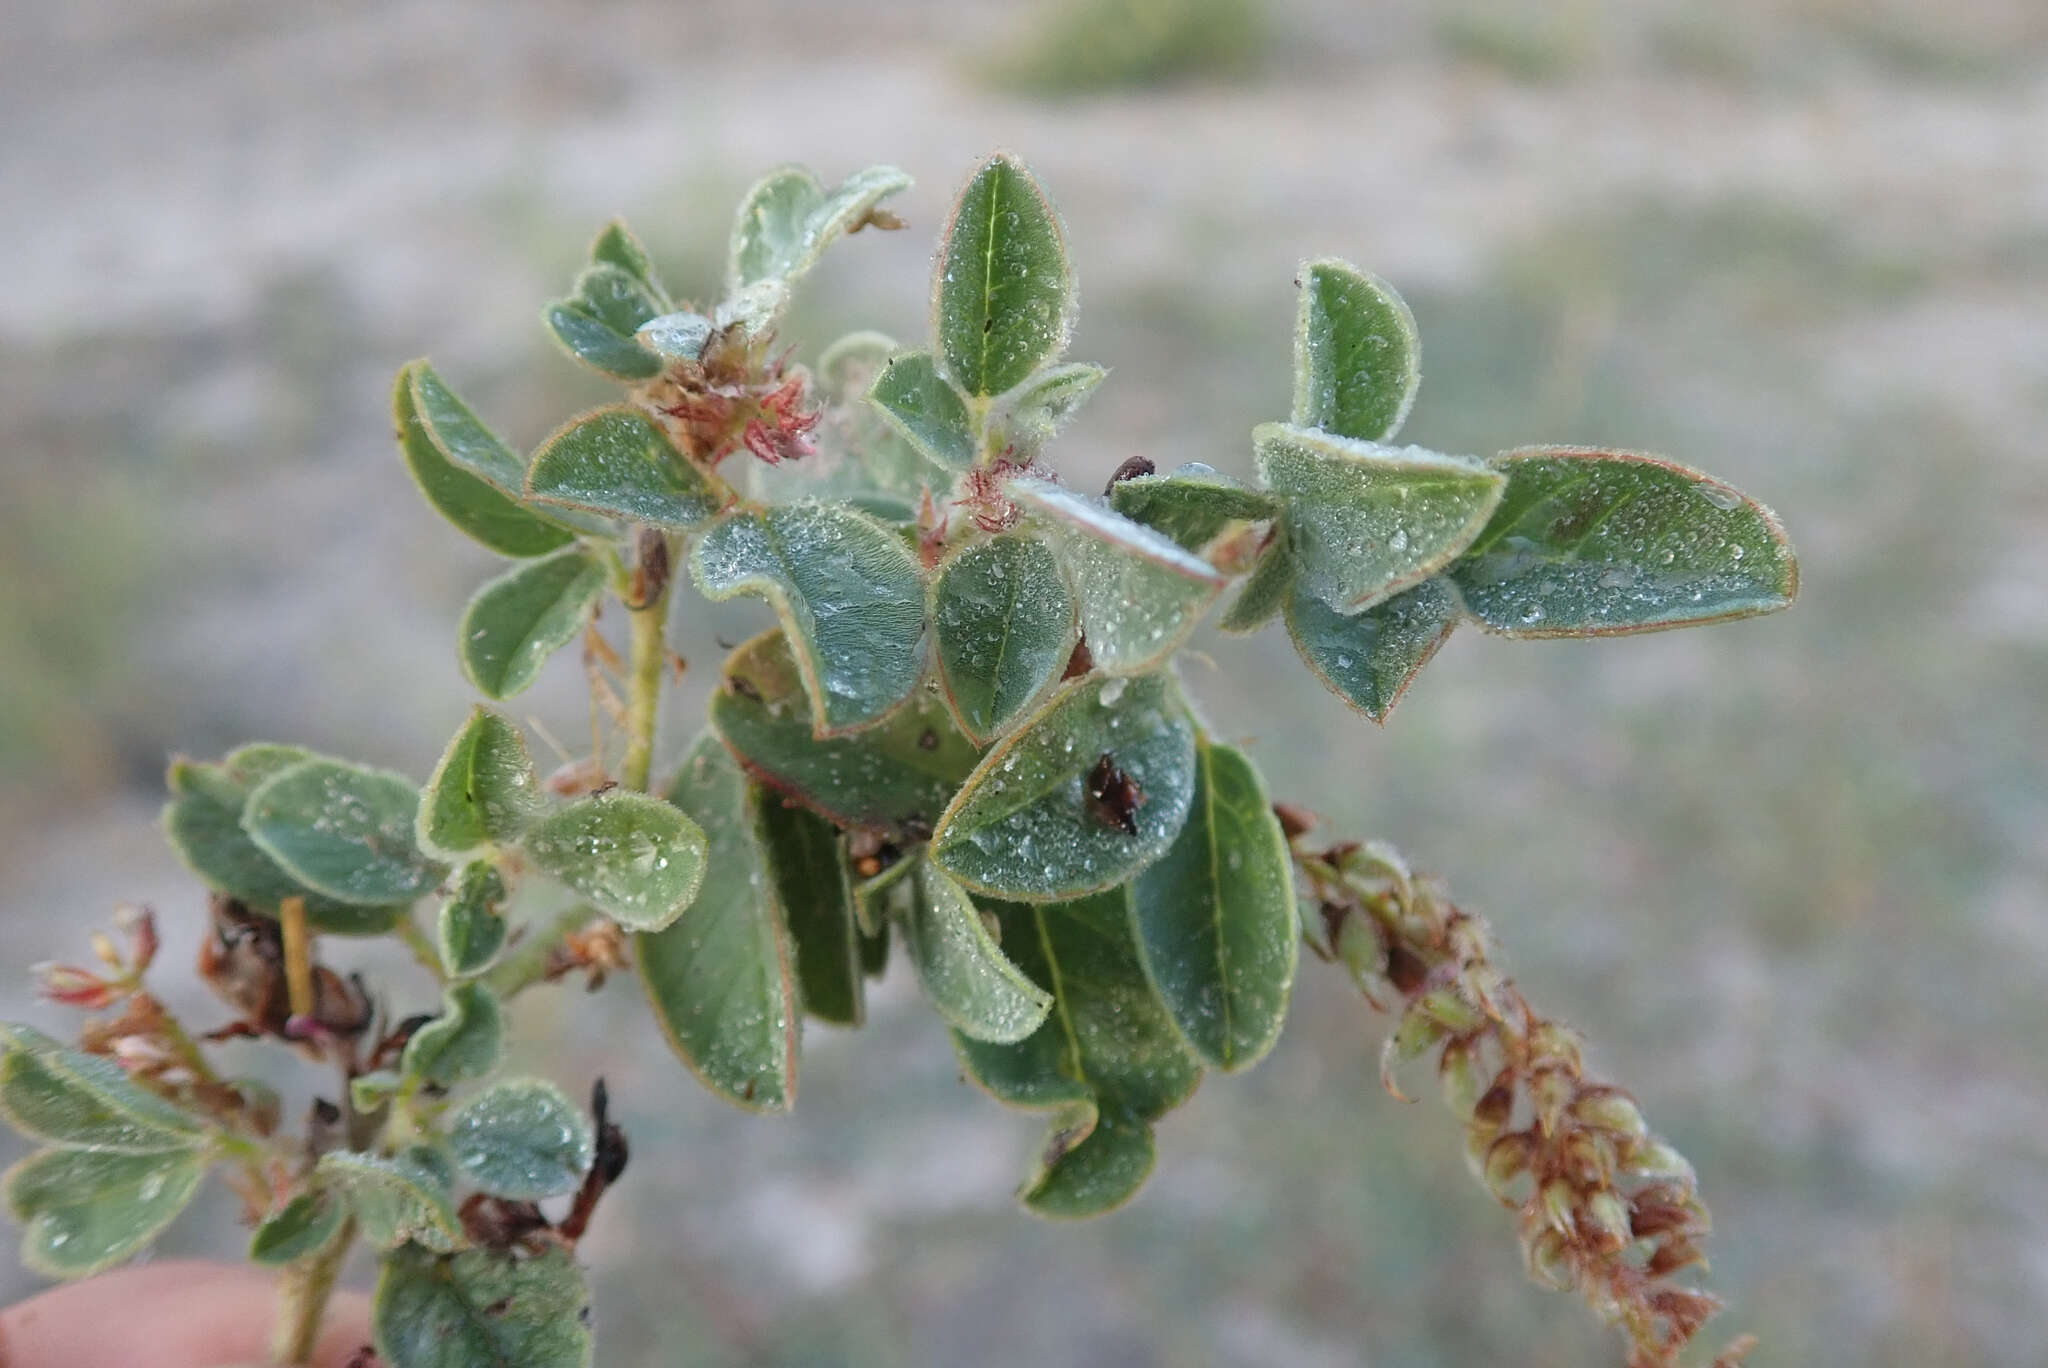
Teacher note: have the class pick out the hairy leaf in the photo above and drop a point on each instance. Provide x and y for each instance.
(894, 778)
(979, 992)
(1107, 1060)
(483, 792)
(720, 979)
(922, 405)
(474, 502)
(803, 857)
(343, 830)
(1140, 594)
(1266, 590)
(1003, 621)
(481, 1308)
(636, 858)
(1604, 543)
(1003, 300)
(203, 822)
(304, 1226)
(515, 622)
(86, 1210)
(620, 462)
(1366, 521)
(676, 336)
(472, 930)
(616, 246)
(467, 444)
(848, 592)
(63, 1096)
(397, 1199)
(1214, 916)
(1033, 413)
(1193, 505)
(463, 1042)
(1356, 357)
(522, 1139)
(1368, 659)
(617, 299)
(788, 219)
(1026, 823)
(596, 343)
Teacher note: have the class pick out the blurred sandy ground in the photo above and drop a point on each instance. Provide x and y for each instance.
(1788, 874)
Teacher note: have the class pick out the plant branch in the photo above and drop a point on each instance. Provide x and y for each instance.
(303, 1290)
(530, 963)
(647, 659)
(1606, 1208)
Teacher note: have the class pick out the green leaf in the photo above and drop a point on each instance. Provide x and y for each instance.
(848, 592)
(1033, 413)
(676, 336)
(1025, 824)
(1368, 659)
(720, 979)
(86, 1210)
(1214, 916)
(463, 1042)
(464, 442)
(1140, 594)
(922, 406)
(620, 462)
(1356, 357)
(788, 219)
(305, 1225)
(1107, 1060)
(802, 853)
(874, 953)
(1606, 543)
(480, 1307)
(1266, 590)
(616, 246)
(203, 823)
(400, 1199)
(636, 858)
(343, 830)
(464, 497)
(1003, 300)
(1194, 505)
(63, 1096)
(894, 778)
(1366, 521)
(589, 339)
(979, 992)
(515, 622)
(484, 792)
(597, 323)
(1003, 624)
(617, 299)
(522, 1139)
(472, 930)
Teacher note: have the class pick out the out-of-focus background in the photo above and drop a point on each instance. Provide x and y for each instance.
(1789, 875)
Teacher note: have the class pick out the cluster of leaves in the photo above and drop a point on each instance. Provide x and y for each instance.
(963, 734)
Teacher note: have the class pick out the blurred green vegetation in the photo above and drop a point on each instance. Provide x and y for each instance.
(1075, 46)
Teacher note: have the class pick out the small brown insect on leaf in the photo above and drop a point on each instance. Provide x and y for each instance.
(1114, 797)
(1131, 469)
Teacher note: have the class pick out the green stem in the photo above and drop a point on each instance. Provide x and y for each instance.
(528, 964)
(646, 661)
(422, 947)
(302, 1293)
